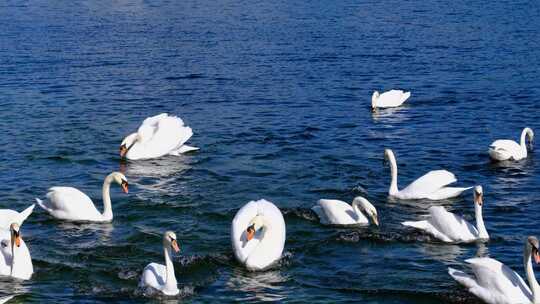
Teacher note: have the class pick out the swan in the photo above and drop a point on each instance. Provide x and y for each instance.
(505, 149)
(67, 203)
(496, 283)
(8, 216)
(157, 136)
(15, 259)
(390, 99)
(161, 277)
(335, 212)
(5, 299)
(451, 228)
(431, 185)
(258, 234)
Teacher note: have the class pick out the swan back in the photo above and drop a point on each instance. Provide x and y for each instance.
(392, 98)
(429, 183)
(267, 245)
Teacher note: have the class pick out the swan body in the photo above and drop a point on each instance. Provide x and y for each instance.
(258, 235)
(432, 185)
(505, 149)
(389, 99)
(15, 259)
(157, 136)
(496, 283)
(8, 216)
(335, 212)
(161, 277)
(451, 228)
(67, 203)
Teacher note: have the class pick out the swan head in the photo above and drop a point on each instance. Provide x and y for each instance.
(478, 195)
(169, 240)
(370, 210)
(530, 134)
(254, 225)
(374, 98)
(388, 154)
(533, 245)
(120, 179)
(127, 143)
(15, 235)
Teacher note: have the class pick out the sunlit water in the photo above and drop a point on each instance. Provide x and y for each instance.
(278, 96)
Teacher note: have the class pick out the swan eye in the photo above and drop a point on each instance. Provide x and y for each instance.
(4, 244)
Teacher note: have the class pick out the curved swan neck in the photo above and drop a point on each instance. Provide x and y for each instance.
(170, 278)
(393, 169)
(107, 208)
(533, 284)
(482, 232)
(522, 142)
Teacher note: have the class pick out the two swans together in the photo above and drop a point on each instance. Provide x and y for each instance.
(258, 235)
(496, 283)
(335, 212)
(451, 228)
(432, 185)
(505, 149)
(157, 136)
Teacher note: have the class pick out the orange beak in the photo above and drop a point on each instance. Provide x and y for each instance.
(18, 241)
(175, 246)
(123, 151)
(250, 233)
(125, 188)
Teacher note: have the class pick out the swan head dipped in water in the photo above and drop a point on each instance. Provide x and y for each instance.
(368, 208)
(170, 241)
(121, 180)
(254, 225)
(128, 143)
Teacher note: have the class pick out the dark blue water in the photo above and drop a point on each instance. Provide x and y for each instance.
(278, 95)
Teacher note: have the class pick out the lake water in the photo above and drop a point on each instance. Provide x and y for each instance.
(278, 94)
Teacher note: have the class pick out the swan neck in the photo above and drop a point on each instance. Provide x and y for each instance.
(482, 232)
(533, 284)
(393, 169)
(107, 208)
(170, 278)
(523, 139)
(12, 258)
(357, 209)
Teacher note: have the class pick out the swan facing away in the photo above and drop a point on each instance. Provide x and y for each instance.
(335, 212)
(15, 259)
(496, 283)
(161, 277)
(390, 99)
(8, 216)
(258, 235)
(67, 203)
(157, 136)
(505, 149)
(451, 228)
(431, 185)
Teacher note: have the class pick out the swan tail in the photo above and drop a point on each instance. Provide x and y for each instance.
(26, 213)
(406, 96)
(42, 205)
(183, 149)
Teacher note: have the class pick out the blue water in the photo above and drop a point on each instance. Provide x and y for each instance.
(278, 95)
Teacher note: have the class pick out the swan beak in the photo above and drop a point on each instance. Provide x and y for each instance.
(125, 187)
(375, 220)
(175, 246)
(479, 200)
(250, 233)
(17, 238)
(536, 256)
(123, 151)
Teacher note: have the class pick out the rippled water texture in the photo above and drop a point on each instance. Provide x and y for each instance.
(278, 95)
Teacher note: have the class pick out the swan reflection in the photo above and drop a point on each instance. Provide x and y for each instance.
(265, 286)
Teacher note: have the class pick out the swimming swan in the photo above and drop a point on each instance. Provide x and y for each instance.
(15, 259)
(161, 277)
(505, 149)
(335, 212)
(390, 99)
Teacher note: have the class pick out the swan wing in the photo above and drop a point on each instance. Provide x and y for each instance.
(70, 203)
(428, 228)
(503, 149)
(340, 213)
(392, 98)
(8, 216)
(500, 280)
(161, 137)
(429, 183)
(454, 227)
(154, 276)
(241, 247)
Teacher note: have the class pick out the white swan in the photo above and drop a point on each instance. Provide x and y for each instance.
(5, 299)
(451, 228)
(157, 136)
(258, 234)
(15, 259)
(161, 277)
(505, 149)
(390, 99)
(335, 212)
(8, 216)
(431, 186)
(496, 283)
(67, 203)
